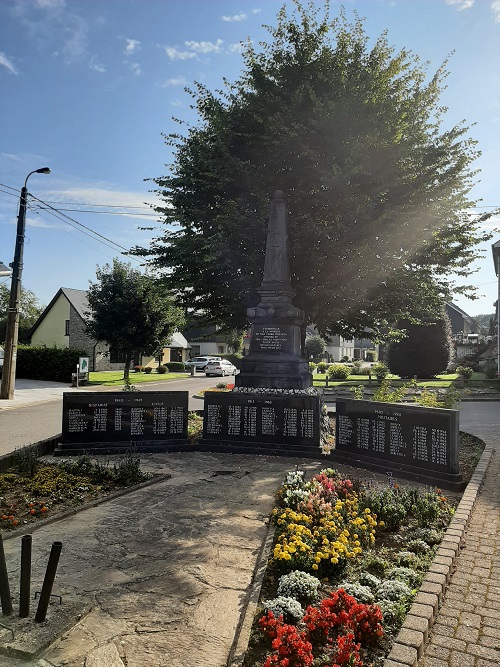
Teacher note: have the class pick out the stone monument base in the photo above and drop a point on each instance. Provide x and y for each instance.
(278, 371)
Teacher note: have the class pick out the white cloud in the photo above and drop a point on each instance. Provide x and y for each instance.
(235, 18)
(256, 11)
(460, 4)
(205, 47)
(495, 8)
(176, 81)
(132, 46)
(7, 63)
(50, 4)
(104, 194)
(176, 103)
(135, 68)
(175, 54)
(96, 66)
(236, 48)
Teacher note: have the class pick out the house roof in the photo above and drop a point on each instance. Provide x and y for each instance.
(76, 297)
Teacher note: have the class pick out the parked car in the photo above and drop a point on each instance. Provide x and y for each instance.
(221, 367)
(200, 362)
(1, 361)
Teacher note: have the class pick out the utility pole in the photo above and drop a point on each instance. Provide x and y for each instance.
(12, 332)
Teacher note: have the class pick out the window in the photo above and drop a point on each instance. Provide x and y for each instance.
(221, 349)
(116, 356)
(66, 328)
(195, 350)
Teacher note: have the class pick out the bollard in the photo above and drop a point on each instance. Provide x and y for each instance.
(25, 580)
(193, 370)
(48, 582)
(4, 583)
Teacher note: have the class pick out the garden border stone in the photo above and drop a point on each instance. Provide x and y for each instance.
(426, 604)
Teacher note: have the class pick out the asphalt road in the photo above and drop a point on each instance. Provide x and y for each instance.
(22, 426)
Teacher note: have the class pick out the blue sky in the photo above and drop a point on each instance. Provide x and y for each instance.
(88, 87)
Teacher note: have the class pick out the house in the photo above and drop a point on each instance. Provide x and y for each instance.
(62, 324)
(464, 326)
(206, 341)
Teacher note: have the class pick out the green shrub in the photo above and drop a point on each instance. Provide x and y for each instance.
(380, 371)
(148, 369)
(321, 367)
(339, 371)
(465, 371)
(425, 352)
(370, 355)
(175, 366)
(312, 367)
(161, 370)
(490, 370)
(47, 363)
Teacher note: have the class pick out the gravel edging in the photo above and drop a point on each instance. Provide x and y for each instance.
(411, 639)
(413, 635)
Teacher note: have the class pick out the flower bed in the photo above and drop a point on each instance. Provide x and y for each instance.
(347, 561)
(35, 489)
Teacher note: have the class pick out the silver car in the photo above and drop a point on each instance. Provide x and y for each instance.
(221, 367)
(200, 363)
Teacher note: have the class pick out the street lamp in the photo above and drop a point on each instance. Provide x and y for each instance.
(495, 249)
(12, 332)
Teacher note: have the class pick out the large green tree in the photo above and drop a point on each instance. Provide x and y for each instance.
(130, 311)
(377, 191)
(30, 310)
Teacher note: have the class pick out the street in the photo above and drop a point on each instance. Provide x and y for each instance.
(22, 426)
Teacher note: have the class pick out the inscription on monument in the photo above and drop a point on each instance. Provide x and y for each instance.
(270, 338)
(112, 417)
(421, 437)
(255, 418)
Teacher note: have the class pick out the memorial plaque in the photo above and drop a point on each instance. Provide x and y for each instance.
(101, 417)
(260, 418)
(407, 436)
(271, 338)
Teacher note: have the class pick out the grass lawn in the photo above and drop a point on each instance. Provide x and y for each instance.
(115, 378)
(441, 381)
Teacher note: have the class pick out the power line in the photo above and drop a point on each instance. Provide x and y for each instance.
(67, 217)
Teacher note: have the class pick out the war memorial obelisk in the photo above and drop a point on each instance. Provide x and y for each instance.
(274, 359)
(273, 408)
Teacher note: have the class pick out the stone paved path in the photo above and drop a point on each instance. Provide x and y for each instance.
(467, 630)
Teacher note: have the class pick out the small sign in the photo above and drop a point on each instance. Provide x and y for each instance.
(83, 364)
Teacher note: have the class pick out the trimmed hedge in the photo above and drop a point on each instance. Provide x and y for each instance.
(175, 366)
(47, 363)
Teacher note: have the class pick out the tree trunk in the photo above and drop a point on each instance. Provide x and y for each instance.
(126, 370)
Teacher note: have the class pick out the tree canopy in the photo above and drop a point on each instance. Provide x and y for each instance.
(30, 310)
(130, 311)
(377, 191)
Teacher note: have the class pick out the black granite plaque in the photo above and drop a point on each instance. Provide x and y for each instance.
(412, 436)
(260, 418)
(91, 417)
(271, 338)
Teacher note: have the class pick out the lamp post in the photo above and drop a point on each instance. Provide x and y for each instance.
(495, 249)
(12, 332)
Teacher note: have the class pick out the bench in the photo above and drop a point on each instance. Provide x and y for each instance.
(82, 379)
